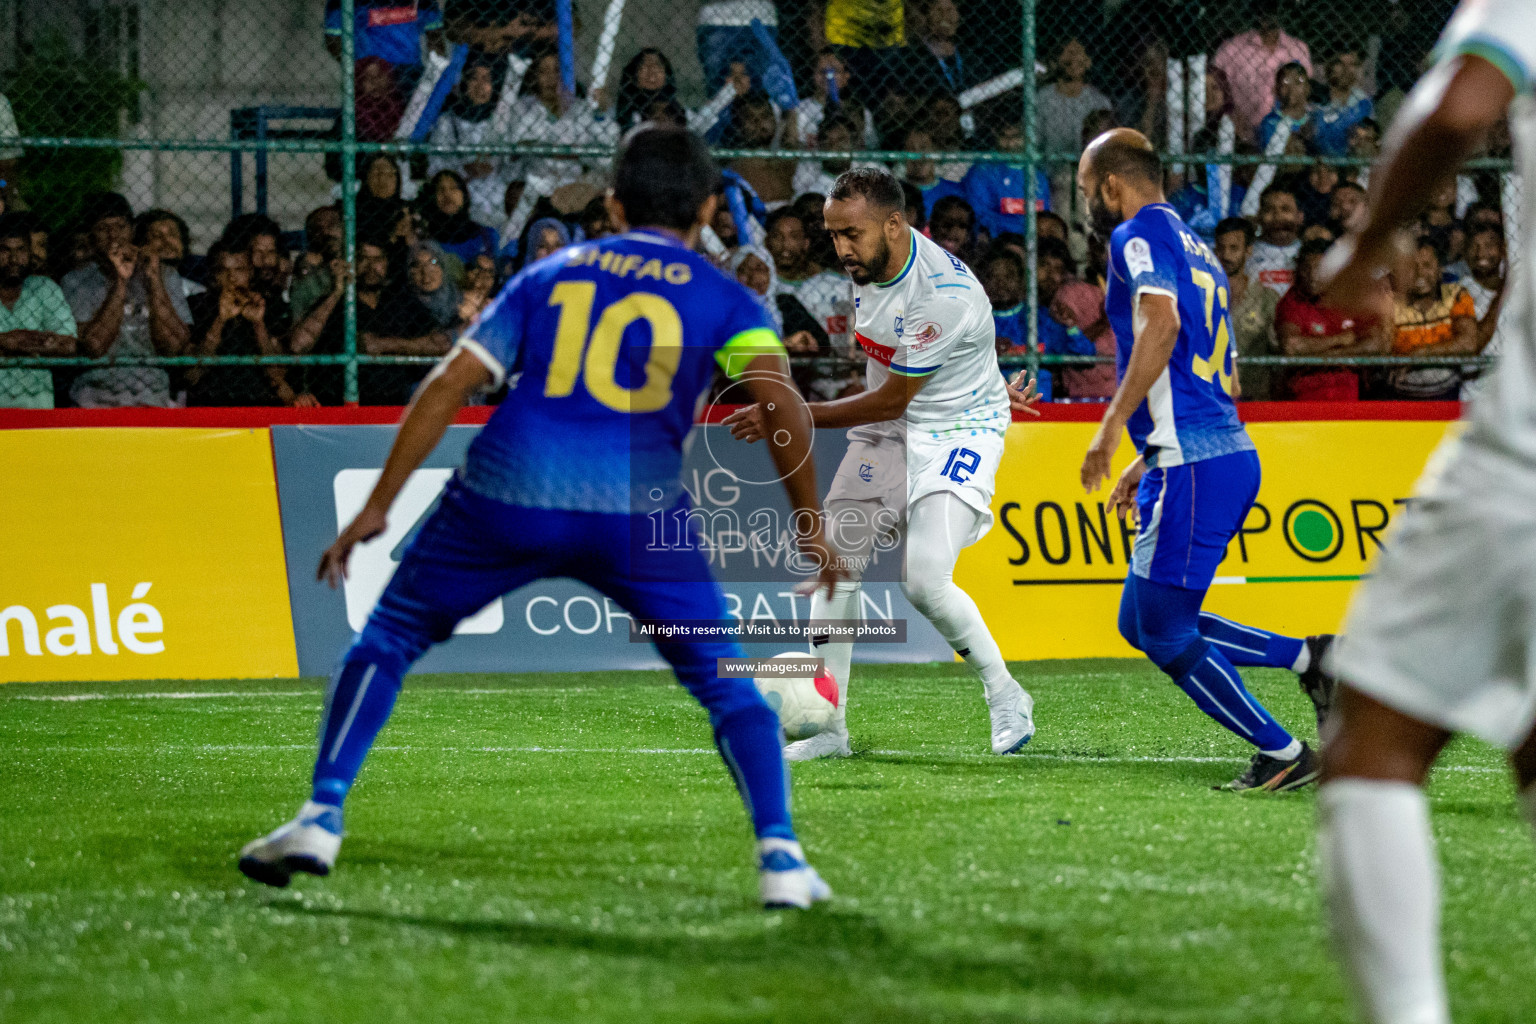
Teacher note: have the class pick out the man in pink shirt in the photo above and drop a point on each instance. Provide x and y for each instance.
(1250, 61)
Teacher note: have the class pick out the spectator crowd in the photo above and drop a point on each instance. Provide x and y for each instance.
(438, 234)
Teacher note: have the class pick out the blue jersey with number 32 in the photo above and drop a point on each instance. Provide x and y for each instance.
(609, 346)
(1188, 415)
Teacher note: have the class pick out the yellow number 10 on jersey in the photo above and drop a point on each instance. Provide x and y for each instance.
(576, 335)
(1215, 320)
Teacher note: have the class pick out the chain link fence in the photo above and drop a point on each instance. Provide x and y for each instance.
(217, 203)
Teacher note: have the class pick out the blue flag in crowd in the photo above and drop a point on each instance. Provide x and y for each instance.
(778, 77)
(440, 93)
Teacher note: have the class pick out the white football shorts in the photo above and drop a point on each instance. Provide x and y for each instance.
(1444, 630)
(896, 473)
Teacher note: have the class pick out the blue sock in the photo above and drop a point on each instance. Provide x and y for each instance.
(362, 694)
(1215, 686)
(748, 740)
(1244, 645)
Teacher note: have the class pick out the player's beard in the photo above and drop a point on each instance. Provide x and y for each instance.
(1104, 219)
(13, 278)
(864, 273)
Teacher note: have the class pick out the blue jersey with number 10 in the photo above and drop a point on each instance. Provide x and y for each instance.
(610, 346)
(1188, 415)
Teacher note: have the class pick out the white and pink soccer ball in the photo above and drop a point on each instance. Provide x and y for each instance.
(805, 705)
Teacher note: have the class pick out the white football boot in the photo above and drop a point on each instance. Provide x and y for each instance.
(831, 743)
(1013, 720)
(308, 843)
(785, 879)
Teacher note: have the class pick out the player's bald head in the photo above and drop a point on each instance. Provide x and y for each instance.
(1118, 174)
(1123, 152)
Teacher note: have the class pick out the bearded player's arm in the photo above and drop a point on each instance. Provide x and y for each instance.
(1150, 268)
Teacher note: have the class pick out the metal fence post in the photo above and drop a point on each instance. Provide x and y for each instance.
(349, 192)
(1031, 158)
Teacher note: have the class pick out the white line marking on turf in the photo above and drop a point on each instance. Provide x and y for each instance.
(934, 754)
(197, 694)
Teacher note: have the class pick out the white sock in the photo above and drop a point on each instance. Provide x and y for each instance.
(937, 527)
(1290, 752)
(1303, 660)
(1383, 894)
(844, 604)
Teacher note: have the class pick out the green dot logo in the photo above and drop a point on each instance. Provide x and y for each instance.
(1313, 530)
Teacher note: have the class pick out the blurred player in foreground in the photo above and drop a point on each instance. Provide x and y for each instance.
(926, 439)
(611, 344)
(1197, 473)
(1439, 639)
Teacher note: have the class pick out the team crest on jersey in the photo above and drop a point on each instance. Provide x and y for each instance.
(897, 327)
(866, 471)
(1138, 256)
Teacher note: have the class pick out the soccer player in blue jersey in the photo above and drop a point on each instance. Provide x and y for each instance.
(611, 343)
(1196, 473)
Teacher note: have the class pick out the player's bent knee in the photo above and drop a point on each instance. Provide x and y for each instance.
(924, 594)
(1178, 654)
(379, 643)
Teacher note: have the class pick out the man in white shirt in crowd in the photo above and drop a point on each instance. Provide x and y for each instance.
(825, 294)
(1485, 283)
(1273, 263)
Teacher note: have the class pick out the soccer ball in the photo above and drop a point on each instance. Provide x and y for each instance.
(805, 706)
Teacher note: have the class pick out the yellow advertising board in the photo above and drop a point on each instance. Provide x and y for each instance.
(1047, 577)
(146, 553)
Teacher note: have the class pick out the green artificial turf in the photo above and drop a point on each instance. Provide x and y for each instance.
(553, 848)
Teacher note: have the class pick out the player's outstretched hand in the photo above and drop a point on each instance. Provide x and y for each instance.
(1023, 394)
(831, 571)
(370, 522)
(1122, 500)
(746, 423)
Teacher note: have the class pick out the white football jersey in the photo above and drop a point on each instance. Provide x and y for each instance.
(1503, 32)
(933, 320)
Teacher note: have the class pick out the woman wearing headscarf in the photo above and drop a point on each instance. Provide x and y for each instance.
(379, 200)
(1079, 307)
(377, 96)
(647, 80)
(753, 267)
(429, 284)
(466, 121)
(445, 218)
(545, 236)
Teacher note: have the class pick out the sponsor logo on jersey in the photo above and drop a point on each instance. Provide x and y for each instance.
(876, 351)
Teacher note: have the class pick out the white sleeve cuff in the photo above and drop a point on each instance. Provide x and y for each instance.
(490, 362)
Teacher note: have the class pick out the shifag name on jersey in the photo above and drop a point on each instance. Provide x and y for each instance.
(933, 320)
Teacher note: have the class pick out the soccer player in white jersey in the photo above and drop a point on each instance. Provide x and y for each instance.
(925, 439)
(1439, 639)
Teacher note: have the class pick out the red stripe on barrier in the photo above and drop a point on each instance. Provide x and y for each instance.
(34, 419)
(1086, 412)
